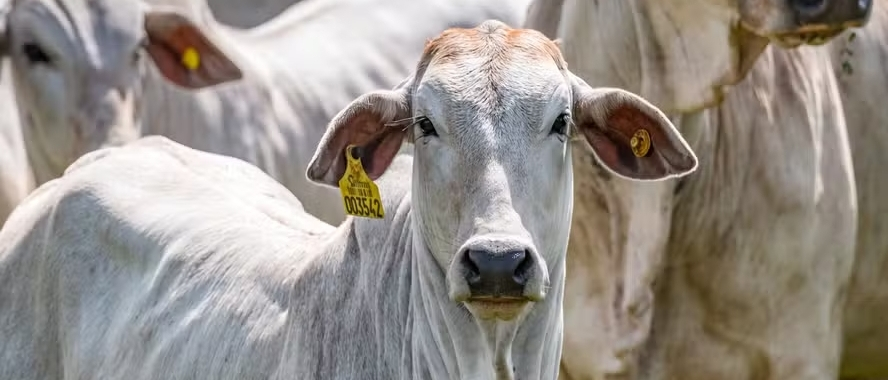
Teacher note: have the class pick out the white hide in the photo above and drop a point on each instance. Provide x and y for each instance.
(16, 180)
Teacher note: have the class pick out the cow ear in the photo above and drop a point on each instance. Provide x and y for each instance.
(376, 123)
(183, 54)
(628, 135)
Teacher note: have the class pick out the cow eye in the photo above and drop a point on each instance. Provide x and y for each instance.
(560, 125)
(426, 127)
(136, 56)
(139, 51)
(35, 53)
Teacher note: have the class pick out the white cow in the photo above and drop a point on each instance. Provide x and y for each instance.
(79, 80)
(16, 177)
(16, 180)
(158, 261)
(860, 59)
(739, 271)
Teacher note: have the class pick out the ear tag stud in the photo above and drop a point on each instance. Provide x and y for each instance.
(360, 195)
(191, 58)
(640, 143)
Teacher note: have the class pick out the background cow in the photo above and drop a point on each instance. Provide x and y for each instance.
(860, 58)
(86, 85)
(739, 271)
(154, 260)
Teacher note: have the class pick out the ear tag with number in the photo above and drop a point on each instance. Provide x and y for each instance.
(360, 196)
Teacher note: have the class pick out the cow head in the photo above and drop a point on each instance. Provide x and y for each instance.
(77, 65)
(681, 55)
(794, 22)
(490, 112)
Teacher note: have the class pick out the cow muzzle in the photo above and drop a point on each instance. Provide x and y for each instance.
(818, 21)
(497, 276)
(496, 282)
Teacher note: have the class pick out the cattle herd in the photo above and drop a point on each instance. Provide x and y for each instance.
(444, 189)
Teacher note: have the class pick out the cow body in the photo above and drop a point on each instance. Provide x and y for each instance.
(16, 180)
(859, 59)
(739, 271)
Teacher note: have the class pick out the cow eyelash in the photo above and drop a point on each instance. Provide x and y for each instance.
(559, 127)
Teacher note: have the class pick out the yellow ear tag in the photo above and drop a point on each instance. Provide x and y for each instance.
(359, 194)
(191, 58)
(640, 143)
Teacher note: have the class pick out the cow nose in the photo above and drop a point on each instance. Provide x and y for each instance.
(831, 13)
(497, 274)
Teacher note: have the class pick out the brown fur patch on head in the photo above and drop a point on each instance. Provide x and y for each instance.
(491, 38)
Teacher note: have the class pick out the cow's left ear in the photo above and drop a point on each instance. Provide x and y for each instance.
(629, 135)
(183, 54)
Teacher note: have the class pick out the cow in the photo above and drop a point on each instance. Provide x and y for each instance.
(16, 180)
(263, 95)
(153, 260)
(859, 61)
(740, 270)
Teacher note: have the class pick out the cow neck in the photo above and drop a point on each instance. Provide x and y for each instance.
(444, 341)
(419, 331)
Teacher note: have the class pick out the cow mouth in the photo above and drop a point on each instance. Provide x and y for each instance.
(811, 34)
(503, 308)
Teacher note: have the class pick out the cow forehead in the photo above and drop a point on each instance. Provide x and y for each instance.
(98, 29)
(493, 72)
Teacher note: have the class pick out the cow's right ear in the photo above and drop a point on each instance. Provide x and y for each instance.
(376, 123)
(182, 53)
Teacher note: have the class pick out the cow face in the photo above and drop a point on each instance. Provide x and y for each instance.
(788, 22)
(77, 65)
(793, 22)
(490, 111)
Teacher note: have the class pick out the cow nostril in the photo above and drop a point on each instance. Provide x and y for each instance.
(473, 274)
(523, 269)
(485, 266)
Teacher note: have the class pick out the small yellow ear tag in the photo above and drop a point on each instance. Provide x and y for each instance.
(360, 196)
(640, 143)
(191, 58)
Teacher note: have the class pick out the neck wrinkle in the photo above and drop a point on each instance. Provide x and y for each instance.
(447, 342)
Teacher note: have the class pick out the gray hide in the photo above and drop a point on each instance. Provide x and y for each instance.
(739, 271)
(238, 13)
(248, 14)
(158, 261)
